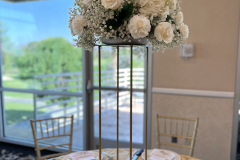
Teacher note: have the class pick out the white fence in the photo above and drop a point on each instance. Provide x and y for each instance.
(55, 106)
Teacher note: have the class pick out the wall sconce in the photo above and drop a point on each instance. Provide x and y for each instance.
(187, 50)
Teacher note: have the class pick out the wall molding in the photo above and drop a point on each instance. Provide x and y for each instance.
(188, 92)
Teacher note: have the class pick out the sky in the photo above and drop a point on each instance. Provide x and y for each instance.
(25, 22)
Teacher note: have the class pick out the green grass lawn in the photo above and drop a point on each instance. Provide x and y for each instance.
(15, 83)
(17, 112)
(19, 84)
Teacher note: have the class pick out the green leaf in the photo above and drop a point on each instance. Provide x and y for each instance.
(120, 17)
(126, 12)
(169, 18)
(112, 22)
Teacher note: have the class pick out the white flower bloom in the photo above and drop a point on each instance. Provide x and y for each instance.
(87, 2)
(112, 4)
(184, 31)
(139, 26)
(78, 23)
(179, 19)
(143, 2)
(164, 32)
(172, 4)
(165, 14)
(152, 7)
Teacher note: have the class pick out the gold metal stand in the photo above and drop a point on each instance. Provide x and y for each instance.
(131, 90)
(131, 74)
(100, 103)
(117, 102)
(146, 110)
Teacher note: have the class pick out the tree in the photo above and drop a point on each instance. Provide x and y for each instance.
(7, 50)
(53, 55)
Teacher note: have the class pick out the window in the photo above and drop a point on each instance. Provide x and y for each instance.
(38, 80)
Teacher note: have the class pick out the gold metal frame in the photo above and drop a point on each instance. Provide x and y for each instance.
(100, 103)
(146, 114)
(131, 74)
(117, 102)
(131, 90)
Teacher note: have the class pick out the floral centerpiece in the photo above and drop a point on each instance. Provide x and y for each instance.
(160, 21)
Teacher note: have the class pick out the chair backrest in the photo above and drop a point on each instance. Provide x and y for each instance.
(50, 129)
(176, 132)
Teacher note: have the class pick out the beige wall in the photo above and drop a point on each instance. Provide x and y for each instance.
(214, 31)
(213, 28)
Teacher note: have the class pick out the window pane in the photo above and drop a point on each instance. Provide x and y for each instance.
(18, 110)
(38, 53)
(109, 66)
(51, 106)
(109, 116)
(36, 46)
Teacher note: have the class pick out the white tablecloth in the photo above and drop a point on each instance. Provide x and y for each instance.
(123, 155)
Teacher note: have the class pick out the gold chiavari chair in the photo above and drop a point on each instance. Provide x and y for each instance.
(52, 130)
(176, 132)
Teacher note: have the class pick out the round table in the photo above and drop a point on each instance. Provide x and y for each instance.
(123, 154)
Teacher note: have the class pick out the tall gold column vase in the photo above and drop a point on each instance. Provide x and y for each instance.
(127, 22)
(147, 52)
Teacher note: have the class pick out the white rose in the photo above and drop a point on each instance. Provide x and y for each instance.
(143, 2)
(139, 26)
(172, 4)
(164, 32)
(179, 18)
(184, 31)
(87, 2)
(165, 14)
(112, 4)
(78, 24)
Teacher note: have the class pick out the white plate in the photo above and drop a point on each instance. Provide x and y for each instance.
(78, 155)
(178, 157)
